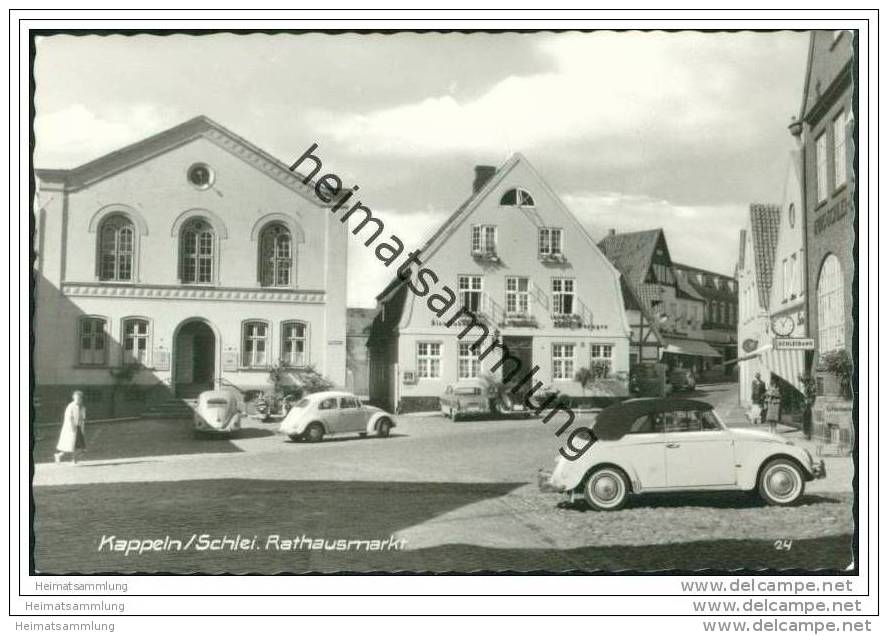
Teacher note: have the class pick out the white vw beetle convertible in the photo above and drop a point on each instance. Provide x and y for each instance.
(666, 445)
(334, 412)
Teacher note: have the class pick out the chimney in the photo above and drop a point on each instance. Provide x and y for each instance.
(612, 232)
(483, 173)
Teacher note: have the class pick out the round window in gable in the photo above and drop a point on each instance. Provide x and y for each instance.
(516, 197)
(200, 176)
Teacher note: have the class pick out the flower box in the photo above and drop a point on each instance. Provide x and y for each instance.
(552, 258)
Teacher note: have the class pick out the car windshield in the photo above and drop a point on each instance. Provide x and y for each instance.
(302, 403)
(468, 391)
(217, 402)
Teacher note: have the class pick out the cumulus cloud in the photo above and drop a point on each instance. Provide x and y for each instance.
(662, 88)
(75, 134)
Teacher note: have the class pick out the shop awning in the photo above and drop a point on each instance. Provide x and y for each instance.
(751, 355)
(786, 364)
(689, 347)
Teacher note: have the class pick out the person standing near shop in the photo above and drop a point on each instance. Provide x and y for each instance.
(72, 438)
(758, 395)
(773, 402)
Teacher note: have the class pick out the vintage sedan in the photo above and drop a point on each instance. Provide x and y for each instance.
(218, 412)
(472, 398)
(334, 412)
(670, 445)
(682, 379)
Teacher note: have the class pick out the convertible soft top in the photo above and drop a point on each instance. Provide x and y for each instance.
(614, 422)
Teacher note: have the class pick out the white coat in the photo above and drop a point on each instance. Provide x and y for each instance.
(75, 417)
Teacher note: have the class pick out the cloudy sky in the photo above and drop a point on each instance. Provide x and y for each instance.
(634, 130)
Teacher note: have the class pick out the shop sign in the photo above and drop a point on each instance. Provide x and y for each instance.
(793, 344)
(832, 215)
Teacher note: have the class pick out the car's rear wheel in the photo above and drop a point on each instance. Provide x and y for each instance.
(606, 489)
(781, 482)
(383, 428)
(314, 433)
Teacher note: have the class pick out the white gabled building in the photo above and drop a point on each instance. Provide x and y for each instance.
(189, 260)
(521, 262)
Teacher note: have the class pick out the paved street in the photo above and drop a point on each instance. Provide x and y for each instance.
(442, 495)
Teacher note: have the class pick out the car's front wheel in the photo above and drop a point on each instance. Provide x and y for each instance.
(606, 489)
(781, 482)
(314, 433)
(383, 428)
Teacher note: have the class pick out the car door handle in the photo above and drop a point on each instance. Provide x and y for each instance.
(673, 445)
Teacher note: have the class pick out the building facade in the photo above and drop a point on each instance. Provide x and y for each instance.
(825, 131)
(516, 258)
(678, 311)
(719, 328)
(755, 274)
(359, 324)
(788, 294)
(189, 260)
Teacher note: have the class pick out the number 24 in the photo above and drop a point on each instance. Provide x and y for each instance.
(783, 544)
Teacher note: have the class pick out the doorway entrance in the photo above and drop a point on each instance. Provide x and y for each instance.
(520, 348)
(195, 350)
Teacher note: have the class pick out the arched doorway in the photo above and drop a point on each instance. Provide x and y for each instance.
(195, 358)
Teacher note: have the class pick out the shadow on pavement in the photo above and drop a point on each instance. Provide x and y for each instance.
(134, 439)
(114, 463)
(329, 510)
(348, 437)
(712, 500)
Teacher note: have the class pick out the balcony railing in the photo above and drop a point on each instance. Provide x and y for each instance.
(486, 255)
(557, 258)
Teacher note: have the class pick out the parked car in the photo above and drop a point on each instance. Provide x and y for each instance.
(669, 445)
(648, 379)
(218, 412)
(682, 379)
(334, 412)
(479, 397)
(468, 398)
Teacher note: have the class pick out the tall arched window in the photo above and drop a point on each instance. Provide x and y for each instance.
(275, 256)
(831, 305)
(116, 248)
(197, 252)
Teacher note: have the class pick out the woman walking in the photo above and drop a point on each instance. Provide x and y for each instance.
(72, 438)
(772, 399)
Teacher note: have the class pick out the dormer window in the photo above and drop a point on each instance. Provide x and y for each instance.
(662, 274)
(516, 197)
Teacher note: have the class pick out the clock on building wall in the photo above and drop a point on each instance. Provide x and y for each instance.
(783, 326)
